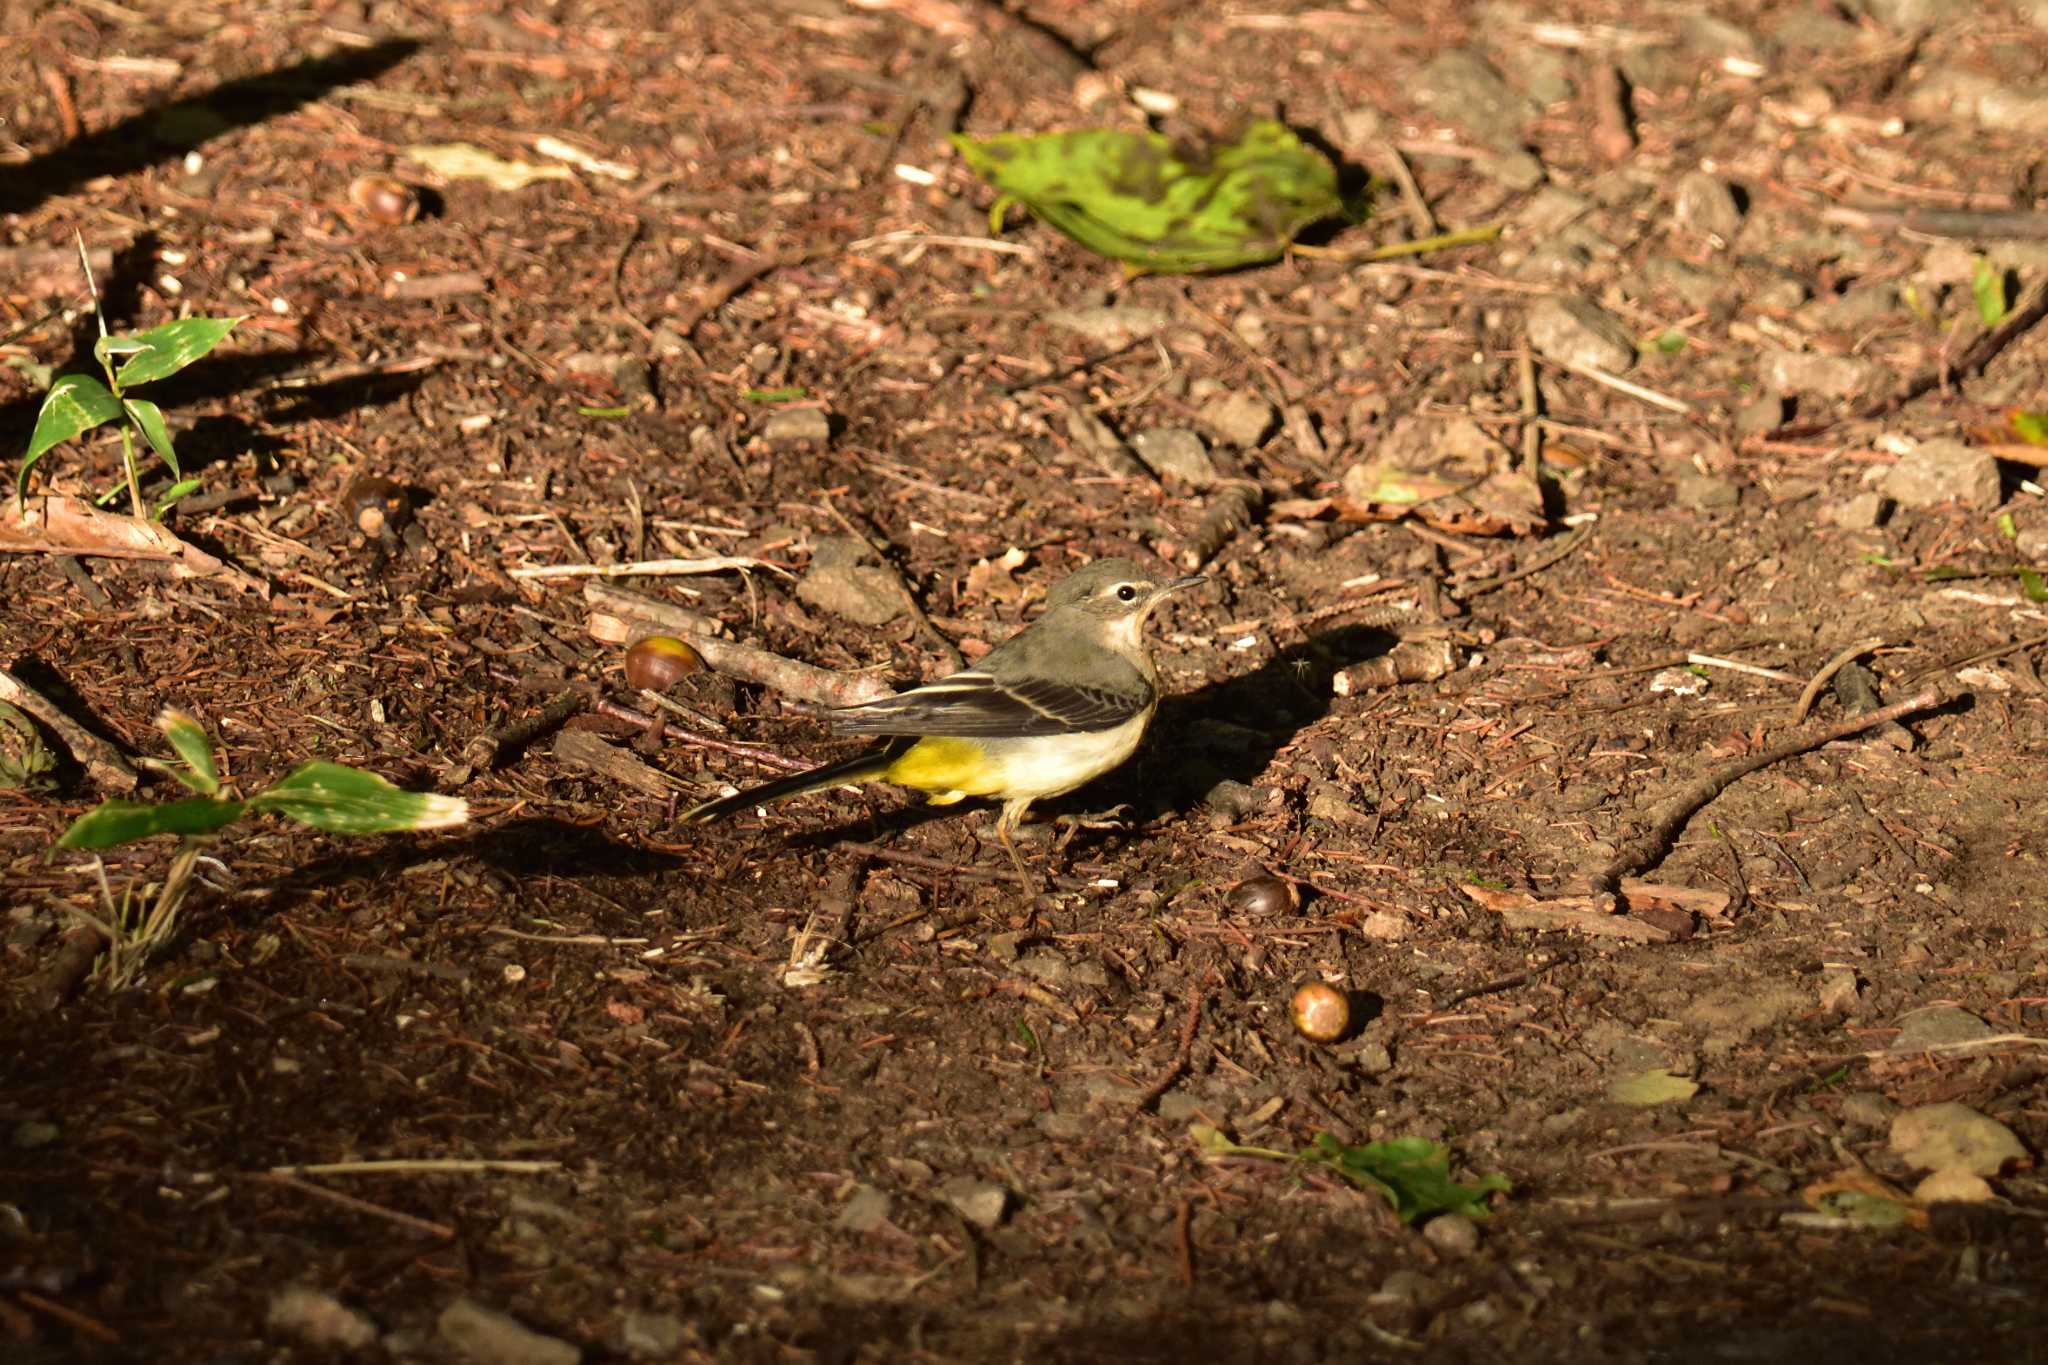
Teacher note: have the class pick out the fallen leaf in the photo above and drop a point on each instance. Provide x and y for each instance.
(1655, 1086)
(467, 161)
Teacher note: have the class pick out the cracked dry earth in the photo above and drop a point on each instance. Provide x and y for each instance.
(1760, 314)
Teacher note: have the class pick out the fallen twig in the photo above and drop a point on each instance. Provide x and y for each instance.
(102, 761)
(348, 1201)
(1642, 852)
(1184, 1057)
(1827, 671)
(484, 750)
(648, 568)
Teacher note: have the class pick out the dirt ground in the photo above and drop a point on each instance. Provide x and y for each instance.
(824, 1085)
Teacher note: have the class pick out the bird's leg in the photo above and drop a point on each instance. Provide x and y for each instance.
(1070, 825)
(1006, 825)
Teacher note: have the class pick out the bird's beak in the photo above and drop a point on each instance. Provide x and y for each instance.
(1179, 584)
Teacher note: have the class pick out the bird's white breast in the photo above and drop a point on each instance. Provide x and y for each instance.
(1052, 765)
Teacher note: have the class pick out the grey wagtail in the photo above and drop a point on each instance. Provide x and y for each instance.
(1057, 705)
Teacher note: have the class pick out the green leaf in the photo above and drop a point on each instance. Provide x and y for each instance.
(1671, 341)
(2031, 427)
(1987, 285)
(343, 800)
(1413, 1173)
(173, 493)
(2007, 527)
(74, 405)
(120, 822)
(2031, 585)
(602, 412)
(770, 395)
(189, 740)
(1135, 197)
(1652, 1087)
(171, 347)
(149, 419)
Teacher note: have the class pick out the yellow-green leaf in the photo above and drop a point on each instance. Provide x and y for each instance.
(1136, 197)
(1656, 1086)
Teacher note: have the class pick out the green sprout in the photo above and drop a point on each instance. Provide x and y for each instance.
(77, 403)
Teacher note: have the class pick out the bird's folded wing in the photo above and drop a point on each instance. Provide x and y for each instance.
(974, 705)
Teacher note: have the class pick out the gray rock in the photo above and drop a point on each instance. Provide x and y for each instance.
(1911, 14)
(1938, 1025)
(1825, 376)
(1776, 291)
(1868, 1108)
(1233, 798)
(492, 1338)
(1552, 261)
(1175, 453)
(319, 1318)
(1180, 1106)
(1552, 209)
(1864, 512)
(1705, 493)
(1464, 90)
(1238, 419)
(1958, 96)
(2032, 543)
(866, 1209)
(652, 1336)
(981, 1202)
(796, 426)
(1812, 30)
(1385, 926)
(843, 582)
(1944, 471)
(1720, 40)
(1117, 325)
(1452, 1234)
(1706, 204)
(1405, 1289)
(1576, 331)
(1691, 284)
(1516, 170)
(1852, 310)
(1761, 415)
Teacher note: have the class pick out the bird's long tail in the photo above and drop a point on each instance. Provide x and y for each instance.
(861, 768)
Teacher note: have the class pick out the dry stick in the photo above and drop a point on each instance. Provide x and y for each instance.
(1532, 410)
(1637, 855)
(103, 763)
(1184, 1057)
(1237, 506)
(349, 1201)
(70, 1317)
(1464, 592)
(1982, 657)
(767, 758)
(2031, 307)
(1411, 193)
(737, 279)
(1828, 670)
(2009, 224)
(80, 948)
(483, 751)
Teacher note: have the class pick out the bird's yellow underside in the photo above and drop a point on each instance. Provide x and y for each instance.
(946, 768)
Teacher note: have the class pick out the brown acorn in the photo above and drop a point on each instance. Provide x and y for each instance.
(1321, 1013)
(659, 662)
(384, 200)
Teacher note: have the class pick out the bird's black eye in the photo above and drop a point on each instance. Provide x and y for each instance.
(1126, 593)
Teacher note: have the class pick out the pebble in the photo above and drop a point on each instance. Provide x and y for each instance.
(1941, 471)
(1938, 1026)
(493, 1338)
(1238, 419)
(1706, 493)
(1576, 331)
(1117, 325)
(652, 1336)
(1825, 376)
(840, 582)
(866, 1209)
(1868, 1108)
(1950, 94)
(1864, 512)
(1464, 90)
(319, 1318)
(1452, 1234)
(2032, 543)
(1175, 453)
(981, 1202)
(1553, 261)
(1761, 415)
(1852, 310)
(1707, 205)
(1551, 210)
(797, 426)
(1691, 284)
(1386, 926)
(1954, 1137)
(1954, 1187)
(1516, 170)
(1911, 14)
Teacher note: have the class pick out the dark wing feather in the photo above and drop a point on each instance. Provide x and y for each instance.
(974, 705)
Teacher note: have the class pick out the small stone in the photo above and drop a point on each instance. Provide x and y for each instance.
(652, 1336)
(1175, 453)
(864, 1211)
(1945, 471)
(1238, 419)
(2032, 542)
(1838, 990)
(1552, 261)
(1864, 512)
(796, 427)
(320, 1319)
(1707, 205)
(1954, 1137)
(1706, 493)
(1405, 1289)
(1232, 798)
(1453, 1234)
(1576, 331)
(981, 1202)
(1761, 415)
(1179, 1106)
(1464, 90)
(1939, 1026)
(1868, 1108)
(1385, 925)
(1112, 325)
(1825, 376)
(1690, 284)
(841, 582)
(1853, 310)
(1551, 209)
(1954, 95)
(1517, 170)
(1911, 14)
(493, 1338)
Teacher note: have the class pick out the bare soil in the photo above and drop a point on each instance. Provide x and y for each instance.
(963, 1132)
